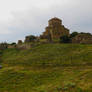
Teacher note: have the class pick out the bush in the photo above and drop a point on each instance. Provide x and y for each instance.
(30, 38)
(13, 43)
(65, 39)
(73, 34)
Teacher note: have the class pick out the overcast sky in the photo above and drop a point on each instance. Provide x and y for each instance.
(19, 18)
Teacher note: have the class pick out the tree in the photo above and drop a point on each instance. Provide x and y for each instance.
(65, 39)
(13, 43)
(73, 34)
(30, 38)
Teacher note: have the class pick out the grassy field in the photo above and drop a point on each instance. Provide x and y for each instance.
(47, 68)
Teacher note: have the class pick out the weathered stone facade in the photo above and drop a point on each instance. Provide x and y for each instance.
(20, 42)
(55, 29)
(84, 38)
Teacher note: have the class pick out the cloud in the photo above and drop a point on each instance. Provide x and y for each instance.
(25, 17)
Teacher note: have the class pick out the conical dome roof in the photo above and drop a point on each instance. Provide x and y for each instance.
(55, 18)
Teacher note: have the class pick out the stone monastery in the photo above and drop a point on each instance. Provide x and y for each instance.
(55, 29)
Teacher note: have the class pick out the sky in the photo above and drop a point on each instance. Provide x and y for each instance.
(19, 18)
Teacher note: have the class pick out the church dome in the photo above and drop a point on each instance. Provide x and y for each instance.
(55, 22)
(55, 19)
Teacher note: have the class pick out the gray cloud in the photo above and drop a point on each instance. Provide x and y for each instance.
(76, 15)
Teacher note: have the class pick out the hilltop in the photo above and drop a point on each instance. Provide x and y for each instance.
(55, 32)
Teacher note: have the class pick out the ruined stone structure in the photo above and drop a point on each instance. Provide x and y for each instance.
(20, 42)
(3, 46)
(55, 29)
(84, 38)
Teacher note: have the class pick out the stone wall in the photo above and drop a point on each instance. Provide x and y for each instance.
(83, 38)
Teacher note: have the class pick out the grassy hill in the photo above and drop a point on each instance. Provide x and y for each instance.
(47, 68)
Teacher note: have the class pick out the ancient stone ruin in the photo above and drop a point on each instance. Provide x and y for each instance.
(84, 38)
(20, 42)
(55, 29)
(53, 32)
(3, 46)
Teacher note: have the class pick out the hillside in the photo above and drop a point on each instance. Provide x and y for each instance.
(49, 55)
(47, 68)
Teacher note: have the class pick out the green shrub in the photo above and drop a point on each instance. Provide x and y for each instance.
(65, 39)
(73, 34)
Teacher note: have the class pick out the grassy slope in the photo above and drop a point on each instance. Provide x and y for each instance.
(42, 69)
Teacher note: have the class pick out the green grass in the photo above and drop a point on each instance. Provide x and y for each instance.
(50, 55)
(47, 68)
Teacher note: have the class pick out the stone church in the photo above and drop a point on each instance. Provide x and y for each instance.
(55, 29)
